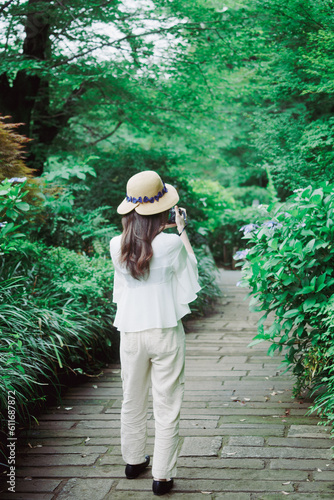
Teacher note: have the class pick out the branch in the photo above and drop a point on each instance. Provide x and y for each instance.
(105, 136)
(3, 7)
(130, 36)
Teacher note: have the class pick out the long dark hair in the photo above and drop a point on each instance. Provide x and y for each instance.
(136, 245)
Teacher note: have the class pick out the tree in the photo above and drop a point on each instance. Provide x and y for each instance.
(141, 64)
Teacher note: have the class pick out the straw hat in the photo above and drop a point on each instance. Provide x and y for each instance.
(148, 195)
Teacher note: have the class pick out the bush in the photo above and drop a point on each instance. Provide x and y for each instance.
(251, 195)
(55, 318)
(209, 289)
(289, 268)
(227, 237)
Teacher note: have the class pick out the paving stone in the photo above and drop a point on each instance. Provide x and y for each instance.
(40, 485)
(211, 485)
(232, 496)
(99, 424)
(275, 452)
(310, 465)
(248, 410)
(295, 496)
(54, 425)
(324, 475)
(246, 441)
(200, 446)
(308, 431)
(233, 359)
(85, 489)
(46, 441)
(8, 495)
(137, 495)
(97, 441)
(241, 474)
(57, 459)
(318, 487)
(258, 419)
(72, 471)
(57, 450)
(245, 429)
(203, 385)
(79, 410)
(299, 442)
(218, 463)
(215, 372)
(82, 433)
(45, 472)
(201, 424)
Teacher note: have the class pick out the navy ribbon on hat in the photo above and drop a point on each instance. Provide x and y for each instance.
(146, 199)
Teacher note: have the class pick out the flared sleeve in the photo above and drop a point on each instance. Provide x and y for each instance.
(119, 281)
(186, 284)
(119, 286)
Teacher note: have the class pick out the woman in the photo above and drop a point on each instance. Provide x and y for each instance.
(155, 279)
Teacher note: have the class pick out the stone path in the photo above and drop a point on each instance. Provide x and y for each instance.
(242, 436)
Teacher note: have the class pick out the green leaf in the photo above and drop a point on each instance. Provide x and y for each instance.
(273, 243)
(310, 245)
(23, 206)
(309, 303)
(256, 341)
(317, 196)
(272, 349)
(291, 313)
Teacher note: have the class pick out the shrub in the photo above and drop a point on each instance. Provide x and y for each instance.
(12, 151)
(289, 268)
(55, 319)
(251, 195)
(227, 237)
(209, 289)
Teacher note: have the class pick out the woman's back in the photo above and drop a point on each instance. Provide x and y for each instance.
(160, 299)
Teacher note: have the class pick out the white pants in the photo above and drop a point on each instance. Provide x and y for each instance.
(157, 355)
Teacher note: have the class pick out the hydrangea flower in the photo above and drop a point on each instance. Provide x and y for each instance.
(241, 254)
(2, 224)
(249, 228)
(271, 224)
(17, 179)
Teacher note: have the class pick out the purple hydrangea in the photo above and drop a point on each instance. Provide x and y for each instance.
(17, 179)
(249, 228)
(2, 224)
(272, 224)
(241, 254)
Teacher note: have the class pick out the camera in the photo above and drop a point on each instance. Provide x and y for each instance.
(171, 216)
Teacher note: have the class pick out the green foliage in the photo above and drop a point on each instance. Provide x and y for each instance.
(214, 198)
(209, 289)
(69, 92)
(289, 268)
(227, 238)
(12, 205)
(13, 212)
(55, 318)
(248, 196)
(63, 222)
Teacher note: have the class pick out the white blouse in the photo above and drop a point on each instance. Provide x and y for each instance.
(162, 299)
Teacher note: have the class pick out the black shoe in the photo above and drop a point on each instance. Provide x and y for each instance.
(133, 471)
(161, 487)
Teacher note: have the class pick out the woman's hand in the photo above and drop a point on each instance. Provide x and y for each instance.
(179, 219)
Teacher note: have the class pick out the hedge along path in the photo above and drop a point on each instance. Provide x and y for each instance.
(242, 436)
